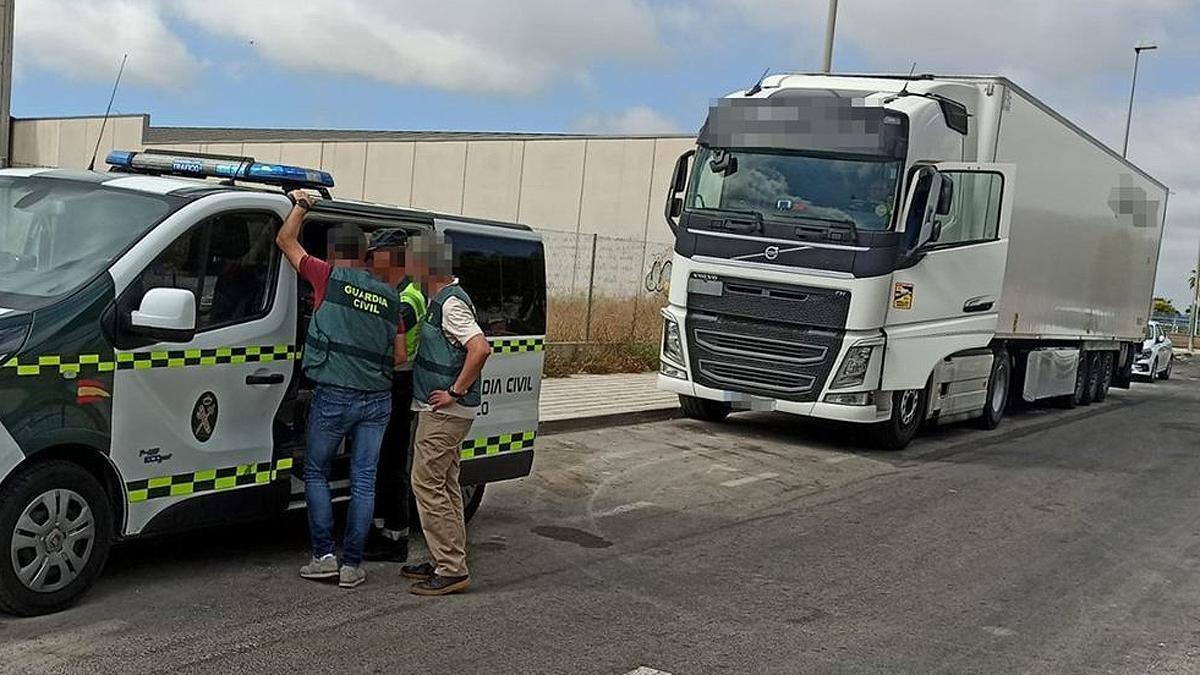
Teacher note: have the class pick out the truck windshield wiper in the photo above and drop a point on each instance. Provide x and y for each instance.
(735, 226)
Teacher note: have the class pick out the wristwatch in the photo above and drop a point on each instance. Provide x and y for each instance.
(453, 394)
(296, 202)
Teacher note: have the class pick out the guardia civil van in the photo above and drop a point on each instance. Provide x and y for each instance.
(150, 340)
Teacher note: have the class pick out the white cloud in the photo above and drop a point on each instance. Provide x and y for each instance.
(84, 39)
(467, 45)
(635, 120)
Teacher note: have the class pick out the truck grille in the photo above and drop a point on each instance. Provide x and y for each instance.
(753, 357)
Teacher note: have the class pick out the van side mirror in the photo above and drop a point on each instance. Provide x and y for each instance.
(166, 315)
(675, 207)
(945, 197)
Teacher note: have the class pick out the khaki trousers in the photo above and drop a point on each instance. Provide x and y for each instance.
(435, 486)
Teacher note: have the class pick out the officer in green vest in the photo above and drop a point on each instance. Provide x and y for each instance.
(389, 537)
(352, 348)
(446, 396)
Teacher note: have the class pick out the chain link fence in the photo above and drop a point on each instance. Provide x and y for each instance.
(604, 299)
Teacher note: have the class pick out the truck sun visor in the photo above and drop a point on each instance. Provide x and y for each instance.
(818, 123)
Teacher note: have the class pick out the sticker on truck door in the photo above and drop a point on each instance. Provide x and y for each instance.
(902, 295)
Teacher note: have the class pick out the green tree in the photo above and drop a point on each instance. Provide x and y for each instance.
(1164, 307)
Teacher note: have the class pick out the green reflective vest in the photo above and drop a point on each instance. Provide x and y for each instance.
(440, 360)
(351, 338)
(411, 295)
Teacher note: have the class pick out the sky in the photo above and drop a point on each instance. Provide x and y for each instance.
(616, 66)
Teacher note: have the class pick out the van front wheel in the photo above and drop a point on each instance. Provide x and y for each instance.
(908, 411)
(703, 409)
(56, 526)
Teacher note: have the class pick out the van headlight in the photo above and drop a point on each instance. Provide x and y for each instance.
(672, 341)
(854, 367)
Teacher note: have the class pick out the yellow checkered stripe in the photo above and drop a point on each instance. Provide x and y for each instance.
(495, 445)
(183, 358)
(508, 346)
(209, 480)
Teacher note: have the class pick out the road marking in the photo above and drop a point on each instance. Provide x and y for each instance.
(624, 508)
(838, 459)
(645, 670)
(738, 482)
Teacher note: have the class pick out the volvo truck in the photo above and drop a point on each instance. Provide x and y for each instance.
(899, 251)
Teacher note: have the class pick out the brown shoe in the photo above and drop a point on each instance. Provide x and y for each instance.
(440, 585)
(422, 571)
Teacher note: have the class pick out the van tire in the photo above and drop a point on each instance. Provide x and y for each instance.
(907, 416)
(472, 501)
(703, 409)
(998, 384)
(70, 485)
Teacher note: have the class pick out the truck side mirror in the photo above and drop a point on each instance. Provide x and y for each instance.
(166, 315)
(945, 197)
(920, 206)
(678, 184)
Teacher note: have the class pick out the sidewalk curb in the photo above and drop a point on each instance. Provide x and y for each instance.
(604, 421)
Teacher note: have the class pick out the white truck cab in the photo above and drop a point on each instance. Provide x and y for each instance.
(893, 250)
(150, 342)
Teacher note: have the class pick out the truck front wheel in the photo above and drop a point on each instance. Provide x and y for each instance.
(997, 392)
(56, 526)
(703, 409)
(908, 411)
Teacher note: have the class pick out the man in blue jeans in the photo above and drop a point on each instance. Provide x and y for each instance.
(352, 347)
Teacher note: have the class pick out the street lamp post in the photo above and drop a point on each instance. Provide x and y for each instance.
(827, 64)
(1137, 54)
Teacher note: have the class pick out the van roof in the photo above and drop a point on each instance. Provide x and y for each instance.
(196, 188)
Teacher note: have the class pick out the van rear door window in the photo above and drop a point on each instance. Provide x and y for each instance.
(506, 279)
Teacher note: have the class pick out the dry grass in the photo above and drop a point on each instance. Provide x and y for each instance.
(623, 338)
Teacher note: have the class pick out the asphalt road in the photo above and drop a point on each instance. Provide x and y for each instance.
(1063, 542)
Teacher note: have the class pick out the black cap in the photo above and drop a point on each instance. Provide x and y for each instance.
(389, 238)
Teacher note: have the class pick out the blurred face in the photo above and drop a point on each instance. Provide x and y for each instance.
(414, 268)
(387, 264)
(345, 250)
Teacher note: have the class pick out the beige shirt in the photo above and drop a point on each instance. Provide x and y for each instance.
(459, 325)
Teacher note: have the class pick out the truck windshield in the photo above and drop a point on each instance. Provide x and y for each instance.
(787, 185)
(56, 234)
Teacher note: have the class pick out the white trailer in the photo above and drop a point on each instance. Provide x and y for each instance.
(891, 250)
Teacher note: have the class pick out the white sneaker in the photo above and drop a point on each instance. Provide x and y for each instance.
(325, 567)
(350, 577)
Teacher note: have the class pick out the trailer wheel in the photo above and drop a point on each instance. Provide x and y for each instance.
(1092, 381)
(1081, 380)
(1106, 375)
(56, 527)
(703, 409)
(997, 392)
(908, 411)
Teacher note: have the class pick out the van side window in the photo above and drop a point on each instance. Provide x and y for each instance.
(506, 279)
(229, 262)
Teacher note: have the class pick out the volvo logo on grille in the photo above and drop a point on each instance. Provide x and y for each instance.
(771, 253)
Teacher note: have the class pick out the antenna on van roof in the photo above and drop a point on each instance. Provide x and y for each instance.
(904, 89)
(104, 123)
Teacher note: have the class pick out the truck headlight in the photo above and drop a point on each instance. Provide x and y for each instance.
(854, 367)
(672, 342)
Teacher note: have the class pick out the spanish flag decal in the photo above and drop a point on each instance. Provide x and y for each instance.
(90, 391)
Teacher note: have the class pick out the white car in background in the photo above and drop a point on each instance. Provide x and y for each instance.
(1154, 361)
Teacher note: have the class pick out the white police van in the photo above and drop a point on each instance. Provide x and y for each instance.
(150, 341)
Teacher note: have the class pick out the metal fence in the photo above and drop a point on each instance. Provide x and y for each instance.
(605, 296)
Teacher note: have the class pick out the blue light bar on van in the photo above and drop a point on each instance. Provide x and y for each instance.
(217, 166)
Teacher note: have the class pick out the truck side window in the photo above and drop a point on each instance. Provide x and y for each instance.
(229, 262)
(506, 279)
(975, 210)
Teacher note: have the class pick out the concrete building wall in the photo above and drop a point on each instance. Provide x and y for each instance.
(575, 185)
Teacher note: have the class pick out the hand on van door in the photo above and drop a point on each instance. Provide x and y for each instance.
(288, 238)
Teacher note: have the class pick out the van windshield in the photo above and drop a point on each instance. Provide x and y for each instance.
(57, 234)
